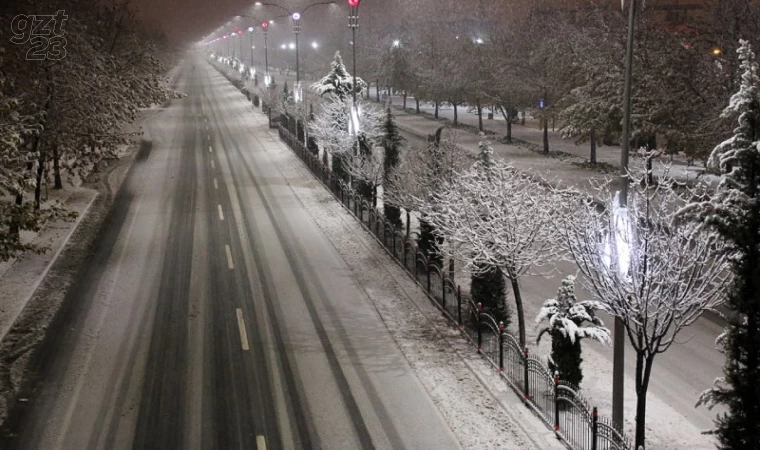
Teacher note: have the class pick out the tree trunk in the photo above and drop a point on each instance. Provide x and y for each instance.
(405, 100)
(480, 117)
(592, 158)
(520, 312)
(38, 185)
(436, 109)
(546, 135)
(14, 228)
(57, 168)
(416, 100)
(408, 223)
(456, 115)
(377, 90)
(522, 121)
(643, 373)
(507, 118)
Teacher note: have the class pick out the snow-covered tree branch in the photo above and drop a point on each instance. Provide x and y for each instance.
(645, 265)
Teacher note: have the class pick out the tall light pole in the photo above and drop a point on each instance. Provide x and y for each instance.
(353, 23)
(265, 30)
(250, 42)
(618, 359)
(295, 16)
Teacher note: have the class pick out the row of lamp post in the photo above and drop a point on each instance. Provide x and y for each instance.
(353, 24)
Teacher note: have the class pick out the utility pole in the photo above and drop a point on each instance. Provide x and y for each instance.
(618, 360)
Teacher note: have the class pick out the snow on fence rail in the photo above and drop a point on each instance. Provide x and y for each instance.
(557, 403)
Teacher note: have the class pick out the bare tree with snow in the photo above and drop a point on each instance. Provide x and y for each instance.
(495, 216)
(656, 273)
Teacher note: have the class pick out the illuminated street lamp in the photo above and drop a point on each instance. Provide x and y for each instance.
(295, 17)
(267, 77)
(314, 45)
(353, 23)
(250, 41)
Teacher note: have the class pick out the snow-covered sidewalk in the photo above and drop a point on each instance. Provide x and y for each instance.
(20, 277)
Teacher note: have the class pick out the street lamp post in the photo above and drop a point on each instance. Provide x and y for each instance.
(295, 16)
(250, 42)
(618, 359)
(265, 29)
(353, 23)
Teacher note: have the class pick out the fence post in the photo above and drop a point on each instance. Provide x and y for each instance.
(427, 262)
(525, 374)
(459, 305)
(594, 428)
(501, 347)
(477, 327)
(451, 268)
(556, 402)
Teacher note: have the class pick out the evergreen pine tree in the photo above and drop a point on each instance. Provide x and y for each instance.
(429, 242)
(366, 190)
(734, 211)
(392, 143)
(566, 315)
(490, 290)
(339, 84)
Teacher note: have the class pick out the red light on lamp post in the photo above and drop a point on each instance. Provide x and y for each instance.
(353, 3)
(265, 25)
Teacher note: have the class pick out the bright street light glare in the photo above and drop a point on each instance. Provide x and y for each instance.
(283, 46)
(396, 43)
(292, 46)
(314, 45)
(250, 29)
(296, 16)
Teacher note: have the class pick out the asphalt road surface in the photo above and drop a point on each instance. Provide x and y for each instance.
(214, 314)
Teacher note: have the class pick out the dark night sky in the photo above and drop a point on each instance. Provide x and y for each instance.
(191, 20)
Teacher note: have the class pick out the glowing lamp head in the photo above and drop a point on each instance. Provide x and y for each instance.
(296, 16)
(265, 25)
(353, 3)
(250, 29)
